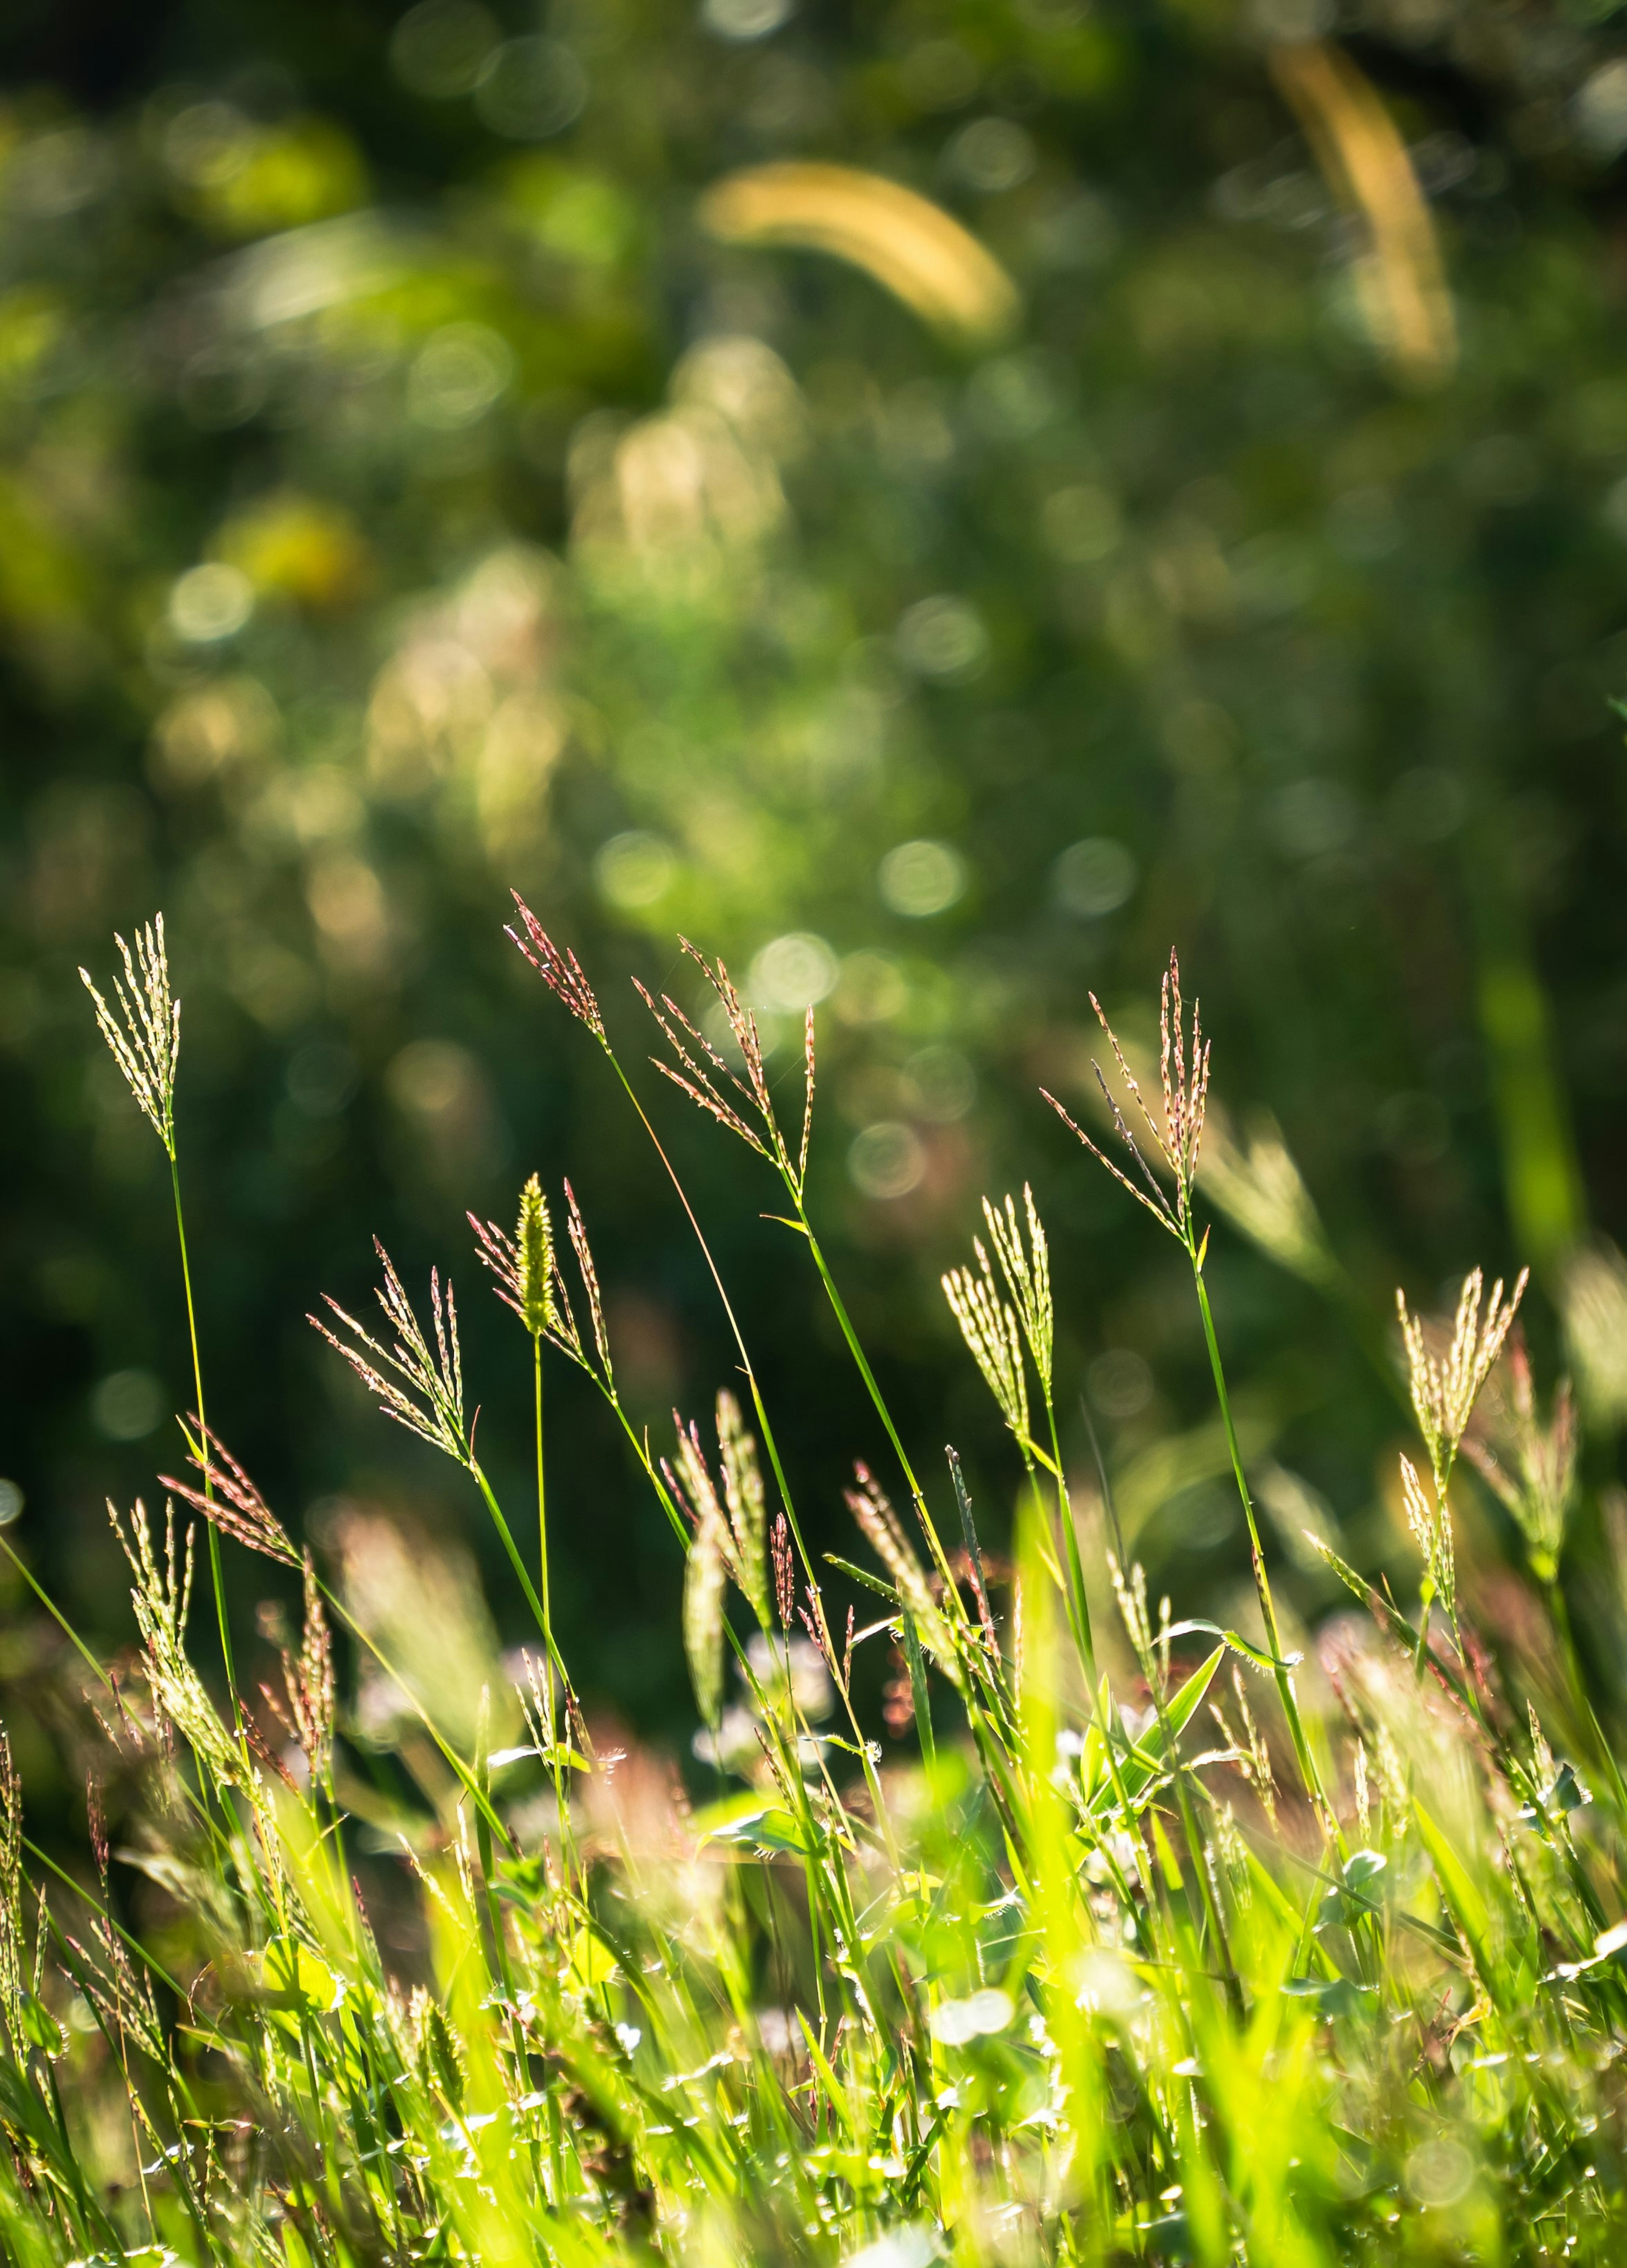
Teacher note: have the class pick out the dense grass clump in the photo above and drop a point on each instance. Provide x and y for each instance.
(1341, 1986)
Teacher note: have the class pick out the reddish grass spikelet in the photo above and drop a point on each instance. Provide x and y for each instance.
(235, 1505)
(784, 1571)
(883, 1531)
(429, 1400)
(306, 1712)
(1184, 1078)
(560, 970)
(582, 1250)
(702, 1073)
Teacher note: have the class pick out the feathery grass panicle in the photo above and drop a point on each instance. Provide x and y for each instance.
(162, 1599)
(13, 1961)
(742, 1490)
(560, 970)
(144, 1036)
(1027, 1272)
(1258, 1186)
(809, 1082)
(698, 1079)
(1530, 1466)
(1445, 1389)
(991, 1333)
(1178, 1141)
(229, 1497)
(584, 1253)
(1593, 1303)
(524, 1264)
(884, 1532)
(305, 1708)
(700, 1071)
(1428, 1517)
(741, 1536)
(710, 1561)
(429, 1401)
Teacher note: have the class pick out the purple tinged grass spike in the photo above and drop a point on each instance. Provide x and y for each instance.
(236, 1507)
(560, 970)
(1183, 1070)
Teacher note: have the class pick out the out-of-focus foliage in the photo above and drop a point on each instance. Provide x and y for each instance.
(406, 493)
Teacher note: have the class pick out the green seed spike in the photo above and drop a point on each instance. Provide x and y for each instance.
(533, 1255)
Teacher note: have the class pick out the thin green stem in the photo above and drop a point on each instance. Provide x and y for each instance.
(769, 1442)
(536, 1351)
(1078, 1603)
(548, 1624)
(1308, 1772)
(216, 1574)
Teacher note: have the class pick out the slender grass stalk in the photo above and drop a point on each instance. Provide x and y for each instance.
(1281, 1673)
(548, 1620)
(216, 1578)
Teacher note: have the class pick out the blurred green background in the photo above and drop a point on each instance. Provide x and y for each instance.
(412, 486)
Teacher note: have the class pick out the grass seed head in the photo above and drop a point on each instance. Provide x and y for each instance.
(1026, 1270)
(1593, 1303)
(524, 1264)
(991, 1334)
(308, 1685)
(589, 1283)
(745, 1105)
(425, 1393)
(559, 968)
(1428, 1517)
(884, 1532)
(229, 1497)
(1258, 1186)
(1529, 1465)
(1177, 1141)
(1445, 1388)
(144, 1036)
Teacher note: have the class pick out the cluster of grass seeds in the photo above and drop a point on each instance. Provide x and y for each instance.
(1069, 1986)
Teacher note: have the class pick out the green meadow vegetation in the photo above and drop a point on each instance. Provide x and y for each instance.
(1157, 1941)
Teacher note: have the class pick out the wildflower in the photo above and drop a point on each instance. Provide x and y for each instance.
(1178, 1140)
(429, 1402)
(524, 1264)
(1531, 1467)
(1444, 1392)
(144, 1036)
(560, 970)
